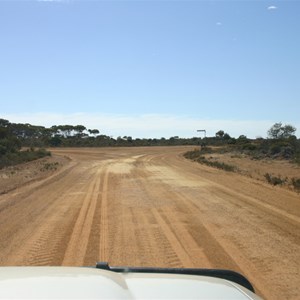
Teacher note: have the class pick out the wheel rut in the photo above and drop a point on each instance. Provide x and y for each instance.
(149, 207)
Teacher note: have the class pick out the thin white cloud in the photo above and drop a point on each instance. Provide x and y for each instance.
(272, 7)
(148, 126)
(219, 24)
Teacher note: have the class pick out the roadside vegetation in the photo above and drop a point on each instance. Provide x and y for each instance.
(197, 155)
(10, 147)
(281, 141)
(50, 166)
(275, 180)
(25, 142)
(281, 145)
(296, 184)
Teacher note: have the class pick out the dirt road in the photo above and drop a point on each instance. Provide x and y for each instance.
(152, 207)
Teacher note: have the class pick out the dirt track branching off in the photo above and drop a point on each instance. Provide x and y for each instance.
(153, 207)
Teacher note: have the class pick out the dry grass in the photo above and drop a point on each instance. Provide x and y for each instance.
(275, 172)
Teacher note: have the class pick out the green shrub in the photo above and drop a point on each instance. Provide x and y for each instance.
(18, 157)
(196, 155)
(232, 141)
(49, 166)
(218, 165)
(192, 154)
(42, 153)
(249, 146)
(274, 180)
(297, 158)
(296, 183)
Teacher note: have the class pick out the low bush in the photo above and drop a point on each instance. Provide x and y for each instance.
(197, 155)
(217, 164)
(249, 146)
(296, 183)
(274, 180)
(18, 157)
(49, 166)
(297, 158)
(192, 154)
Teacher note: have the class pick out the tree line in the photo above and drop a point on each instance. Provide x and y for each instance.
(11, 142)
(281, 140)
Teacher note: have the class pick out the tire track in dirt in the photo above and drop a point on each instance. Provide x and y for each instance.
(143, 228)
(22, 223)
(98, 242)
(8, 200)
(198, 233)
(276, 235)
(78, 242)
(103, 247)
(249, 200)
(149, 223)
(183, 219)
(170, 219)
(180, 216)
(150, 207)
(50, 240)
(237, 248)
(173, 240)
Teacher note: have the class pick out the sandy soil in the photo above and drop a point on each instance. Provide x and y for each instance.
(16, 176)
(258, 168)
(152, 207)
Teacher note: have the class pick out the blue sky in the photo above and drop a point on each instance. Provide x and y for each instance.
(151, 68)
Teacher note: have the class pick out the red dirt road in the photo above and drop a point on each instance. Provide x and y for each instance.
(152, 207)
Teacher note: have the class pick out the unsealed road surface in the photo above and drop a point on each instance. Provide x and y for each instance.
(152, 207)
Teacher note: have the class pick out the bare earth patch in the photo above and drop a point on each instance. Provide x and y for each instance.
(16, 176)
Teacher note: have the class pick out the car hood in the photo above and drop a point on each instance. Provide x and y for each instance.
(91, 283)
